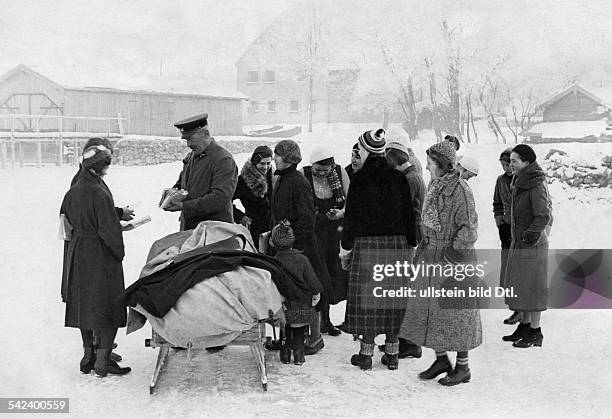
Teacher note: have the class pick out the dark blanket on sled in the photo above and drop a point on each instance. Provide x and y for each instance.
(159, 292)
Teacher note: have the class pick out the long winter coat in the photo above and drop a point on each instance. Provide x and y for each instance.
(292, 199)
(426, 323)
(94, 274)
(255, 207)
(527, 269)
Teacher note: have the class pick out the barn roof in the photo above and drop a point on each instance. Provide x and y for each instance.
(577, 88)
(26, 69)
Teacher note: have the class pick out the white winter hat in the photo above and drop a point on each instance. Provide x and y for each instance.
(469, 163)
(320, 154)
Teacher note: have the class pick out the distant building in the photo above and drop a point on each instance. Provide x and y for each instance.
(576, 104)
(24, 91)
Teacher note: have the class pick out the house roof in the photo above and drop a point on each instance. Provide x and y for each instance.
(573, 89)
(24, 68)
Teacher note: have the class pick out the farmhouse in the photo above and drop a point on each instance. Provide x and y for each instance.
(23, 91)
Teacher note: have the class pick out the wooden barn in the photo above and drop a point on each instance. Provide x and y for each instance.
(574, 104)
(23, 91)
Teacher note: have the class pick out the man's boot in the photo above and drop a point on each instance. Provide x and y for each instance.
(105, 366)
(89, 359)
(364, 358)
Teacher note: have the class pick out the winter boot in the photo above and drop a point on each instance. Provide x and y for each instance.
(364, 358)
(456, 376)
(89, 359)
(390, 358)
(326, 324)
(409, 350)
(521, 331)
(285, 350)
(439, 366)
(314, 347)
(514, 319)
(298, 345)
(534, 338)
(105, 366)
(115, 356)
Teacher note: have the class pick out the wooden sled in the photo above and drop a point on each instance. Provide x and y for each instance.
(254, 338)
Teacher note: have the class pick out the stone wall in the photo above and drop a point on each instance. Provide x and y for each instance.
(142, 152)
(559, 166)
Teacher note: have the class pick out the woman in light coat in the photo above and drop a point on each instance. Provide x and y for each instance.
(450, 227)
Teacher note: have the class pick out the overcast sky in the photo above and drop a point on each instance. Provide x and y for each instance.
(193, 45)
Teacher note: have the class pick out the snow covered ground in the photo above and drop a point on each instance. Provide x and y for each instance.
(566, 378)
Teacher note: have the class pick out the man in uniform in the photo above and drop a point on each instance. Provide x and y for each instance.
(209, 176)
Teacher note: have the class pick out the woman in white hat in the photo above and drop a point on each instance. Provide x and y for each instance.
(329, 183)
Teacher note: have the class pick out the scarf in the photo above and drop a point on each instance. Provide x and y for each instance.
(336, 185)
(254, 179)
(431, 216)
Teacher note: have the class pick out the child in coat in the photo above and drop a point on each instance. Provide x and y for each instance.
(298, 314)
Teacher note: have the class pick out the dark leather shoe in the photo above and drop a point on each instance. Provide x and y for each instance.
(116, 357)
(391, 361)
(456, 376)
(514, 319)
(438, 367)
(362, 361)
(534, 338)
(311, 350)
(333, 330)
(273, 345)
(215, 349)
(88, 361)
(409, 350)
(521, 331)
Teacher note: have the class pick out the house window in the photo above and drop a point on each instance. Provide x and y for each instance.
(269, 77)
(252, 77)
(271, 106)
(294, 106)
(253, 106)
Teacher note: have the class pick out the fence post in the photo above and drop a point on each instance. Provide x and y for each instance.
(3, 152)
(12, 142)
(60, 142)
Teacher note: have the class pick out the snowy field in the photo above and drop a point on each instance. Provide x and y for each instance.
(565, 378)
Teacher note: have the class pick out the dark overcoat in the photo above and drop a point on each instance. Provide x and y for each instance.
(292, 200)
(94, 274)
(527, 270)
(255, 207)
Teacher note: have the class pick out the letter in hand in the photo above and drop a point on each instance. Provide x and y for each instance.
(165, 193)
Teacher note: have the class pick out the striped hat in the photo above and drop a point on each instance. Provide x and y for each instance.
(282, 235)
(373, 141)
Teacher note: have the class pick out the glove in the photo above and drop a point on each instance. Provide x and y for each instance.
(316, 298)
(530, 237)
(345, 258)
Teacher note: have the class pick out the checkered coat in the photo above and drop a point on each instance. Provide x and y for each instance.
(426, 323)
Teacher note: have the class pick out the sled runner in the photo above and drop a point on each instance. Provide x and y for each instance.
(254, 338)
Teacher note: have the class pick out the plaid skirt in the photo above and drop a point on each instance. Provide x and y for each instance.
(364, 313)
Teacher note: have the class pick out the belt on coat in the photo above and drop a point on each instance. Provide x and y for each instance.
(437, 242)
(86, 233)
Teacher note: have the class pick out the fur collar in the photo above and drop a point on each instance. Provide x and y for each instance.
(254, 179)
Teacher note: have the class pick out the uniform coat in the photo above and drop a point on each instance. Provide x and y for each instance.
(210, 178)
(292, 200)
(527, 269)
(426, 323)
(379, 227)
(94, 274)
